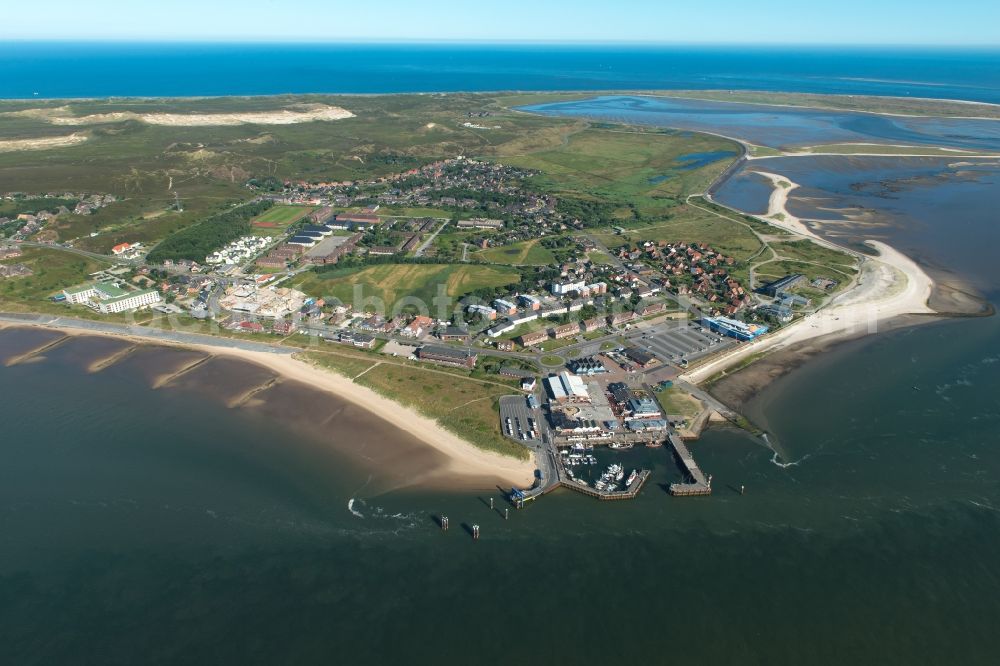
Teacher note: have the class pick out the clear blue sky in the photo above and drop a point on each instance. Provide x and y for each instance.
(954, 22)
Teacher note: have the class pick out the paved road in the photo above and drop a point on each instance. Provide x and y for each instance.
(419, 252)
(82, 253)
(730, 170)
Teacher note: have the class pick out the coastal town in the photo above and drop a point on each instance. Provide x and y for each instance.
(602, 325)
(595, 347)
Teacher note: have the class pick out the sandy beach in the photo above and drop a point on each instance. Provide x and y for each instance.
(890, 286)
(467, 464)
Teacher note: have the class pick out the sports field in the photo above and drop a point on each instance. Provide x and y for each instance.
(387, 285)
(277, 220)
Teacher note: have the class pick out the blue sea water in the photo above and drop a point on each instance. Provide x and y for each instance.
(781, 127)
(56, 69)
(691, 161)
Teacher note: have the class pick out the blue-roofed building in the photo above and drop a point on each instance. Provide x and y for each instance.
(646, 425)
(735, 328)
(643, 408)
(322, 231)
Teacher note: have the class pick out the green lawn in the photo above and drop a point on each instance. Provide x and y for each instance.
(677, 402)
(391, 283)
(553, 345)
(528, 327)
(526, 253)
(599, 258)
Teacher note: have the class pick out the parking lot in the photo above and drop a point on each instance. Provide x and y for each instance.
(686, 341)
(518, 421)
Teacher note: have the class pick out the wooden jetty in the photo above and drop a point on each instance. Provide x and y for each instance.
(698, 484)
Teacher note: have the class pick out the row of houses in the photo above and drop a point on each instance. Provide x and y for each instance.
(280, 256)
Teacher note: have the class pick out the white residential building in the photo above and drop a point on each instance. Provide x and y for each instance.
(131, 301)
(560, 289)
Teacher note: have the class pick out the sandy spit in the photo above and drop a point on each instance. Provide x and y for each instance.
(890, 286)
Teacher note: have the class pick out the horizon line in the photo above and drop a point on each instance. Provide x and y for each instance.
(355, 41)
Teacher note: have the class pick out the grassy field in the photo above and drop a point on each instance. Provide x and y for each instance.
(402, 211)
(690, 224)
(528, 327)
(349, 365)
(599, 258)
(525, 253)
(53, 270)
(393, 282)
(277, 220)
(808, 251)
(645, 168)
(676, 402)
(554, 345)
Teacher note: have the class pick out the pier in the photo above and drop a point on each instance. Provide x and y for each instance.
(697, 484)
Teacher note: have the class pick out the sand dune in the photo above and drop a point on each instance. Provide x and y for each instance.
(302, 114)
(41, 143)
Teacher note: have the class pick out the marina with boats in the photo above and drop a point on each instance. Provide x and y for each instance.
(578, 468)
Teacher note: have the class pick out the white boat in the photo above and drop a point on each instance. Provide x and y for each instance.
(631, 478)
